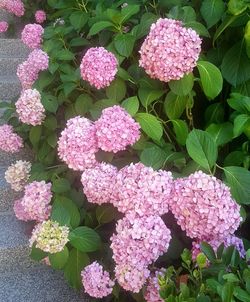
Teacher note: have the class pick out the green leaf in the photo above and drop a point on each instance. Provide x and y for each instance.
(236, 64)
(97, 27)
(236, 7)
(131, 105)
(35, 135)
(85, 239)
(65, 55)
(128, 11)
(83, 104)
(239, 123)
(50, 103)
(174, 105)
(150, 125)
(79, 42)
(215, 113)
(116, 90)
(76, 263)
(78, 19)
(183, 86)
(58, 260)
(198, 27)
(181, 131)
(60, 214)
(60, 185)
(37, 254)
(50, 122)
(154, 157)
(106, 213)
(208, 251)
(231, 277)
(238, 179)
(239, 102)
(227, 292)
(148, 95)
(124, 44)
(212, 11)
(211, 79)
(224, 25)
(241, 294)
(222, 133)
(202, 149)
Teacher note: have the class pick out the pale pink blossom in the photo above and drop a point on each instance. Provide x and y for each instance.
(170, 50)
(36, 200)
(32, 35)
(98, 67)
(142, 190)
(77, 145)
(204, 208)
(96, 281)
(29, 107)
(9, 140)
(3, 26)
(116, 129)
(98, 183)
(18, 174)
(20, 212)
(15, 7)
(40, 16)
(152, 290)
(139, 241)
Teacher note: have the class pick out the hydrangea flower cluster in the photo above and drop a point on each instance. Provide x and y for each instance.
(18, 174)
(153, 287)
(32, 35)
(131, 278)
(142, 190)
(96, 281)
(77, 145)
(204, 208)
(138, 242)
(49, 236)
(15, 7)
(28, 71)
(98, 67)
(29, 107)
(98, 183)
(215, 243)
(20, 212)
(40, 16)
(116, 129)
(170, 50)
(3, 26)
(9, 140)
(36, 201)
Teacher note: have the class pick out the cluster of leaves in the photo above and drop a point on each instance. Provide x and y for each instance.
(226, 279)
(199, 122)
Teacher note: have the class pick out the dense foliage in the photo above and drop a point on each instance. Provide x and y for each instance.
(199, 122)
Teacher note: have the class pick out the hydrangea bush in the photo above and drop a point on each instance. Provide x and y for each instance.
(138, 116)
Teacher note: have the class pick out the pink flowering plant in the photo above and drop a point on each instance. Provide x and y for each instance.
(138, 117)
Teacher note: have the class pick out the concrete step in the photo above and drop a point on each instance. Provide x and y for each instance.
(13, 48)
(10, 87)
(40, 284)
(8, 65)
(14, 242)
(5, 16)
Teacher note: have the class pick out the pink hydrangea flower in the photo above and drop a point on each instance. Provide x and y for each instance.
(153, 287)
(20, 212)
(77, 145)
(36, 200)
(215, 243)
(30, 108)
(131, 278)
(32, 35)
(28, 71)
(142, 190)
(170, 50)
(98, 183)
(15, 7)
(116, 129)
(3, 26)
(98, 67)
(96, 281)
(9, 140)
(204, 208)
(40, 16)
(139, 241)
